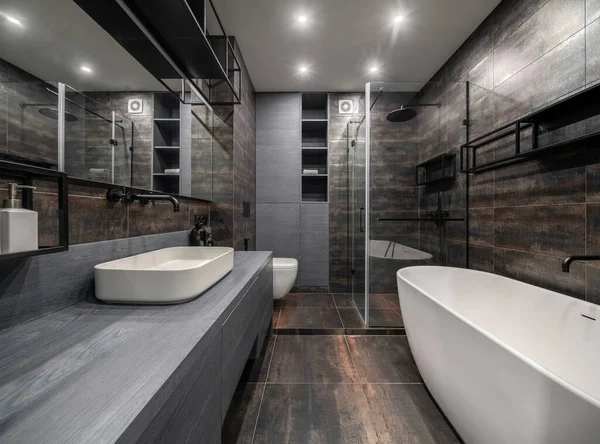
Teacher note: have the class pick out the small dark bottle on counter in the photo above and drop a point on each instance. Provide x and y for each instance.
(209, 239)
(198, 233)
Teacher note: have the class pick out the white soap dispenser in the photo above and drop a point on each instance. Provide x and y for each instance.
(18, 226)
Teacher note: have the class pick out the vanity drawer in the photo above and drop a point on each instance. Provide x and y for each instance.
(240, 318)
(264, 318)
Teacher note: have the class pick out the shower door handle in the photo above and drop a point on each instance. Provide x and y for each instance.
(360, 222)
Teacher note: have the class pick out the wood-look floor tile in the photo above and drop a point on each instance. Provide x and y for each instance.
(314, 359)
(392, 299)
(256, 370)
(343, 300)
(276, 314)
(383, 359)
(309, 318)
(385, 317)
(315, 414)
(350, 318)
(309, 300)
(375, 301)
(404, 413)
(238, 427)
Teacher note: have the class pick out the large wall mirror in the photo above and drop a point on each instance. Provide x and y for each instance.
(121, 125)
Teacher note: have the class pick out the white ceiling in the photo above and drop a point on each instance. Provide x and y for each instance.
(343, 38)
(57, 37)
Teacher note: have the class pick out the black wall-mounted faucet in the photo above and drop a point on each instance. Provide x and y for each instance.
(566, 265)
(115, 195)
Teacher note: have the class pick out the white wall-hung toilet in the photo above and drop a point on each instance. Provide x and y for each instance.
(284, 276)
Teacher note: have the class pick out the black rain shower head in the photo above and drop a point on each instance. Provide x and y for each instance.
(404, 114)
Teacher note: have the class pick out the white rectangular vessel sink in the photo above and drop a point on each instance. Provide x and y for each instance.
(165, 276)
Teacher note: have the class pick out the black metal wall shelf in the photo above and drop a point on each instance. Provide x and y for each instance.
(436, 169)
(571, 115)
(27, 174)
(180, 40)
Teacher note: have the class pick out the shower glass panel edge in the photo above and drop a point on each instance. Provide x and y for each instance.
(367, 212)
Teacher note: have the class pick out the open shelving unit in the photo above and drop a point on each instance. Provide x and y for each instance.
(314, 147)
(166, 143)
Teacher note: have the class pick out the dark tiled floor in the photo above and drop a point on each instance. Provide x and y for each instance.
(316, 318)
(316, 313)
(314, 359)
(340, 389)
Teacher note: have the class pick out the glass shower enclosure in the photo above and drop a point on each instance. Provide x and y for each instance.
(407, 201)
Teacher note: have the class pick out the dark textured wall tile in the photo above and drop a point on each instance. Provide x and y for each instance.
(542, 271)
(94, 219)
(481, 226)
(510, 14)
(481, 258)
(554, 230)
(592, 282)
(534, 38)
(558, 180)
(559, 72)
(475, 48)
(592, 230)
(592, 60)
(481, 190)
(158, 218)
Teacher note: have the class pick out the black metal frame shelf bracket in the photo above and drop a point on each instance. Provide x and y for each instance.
(28, 173)
(561, 114)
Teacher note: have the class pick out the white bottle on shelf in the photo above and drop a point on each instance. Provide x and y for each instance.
(18, 226)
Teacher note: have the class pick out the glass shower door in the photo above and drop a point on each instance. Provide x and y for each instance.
(357, 176)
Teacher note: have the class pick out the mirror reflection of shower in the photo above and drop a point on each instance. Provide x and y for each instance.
(114, 138)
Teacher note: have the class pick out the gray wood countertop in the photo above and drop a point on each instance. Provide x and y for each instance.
(85, 373)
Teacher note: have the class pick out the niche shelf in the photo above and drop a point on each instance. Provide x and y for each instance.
(314, 133)
(559, 126)
(314, 188)
(166, 143)
(314, 159)
(314, 152)
(314, 107)
(436, 169)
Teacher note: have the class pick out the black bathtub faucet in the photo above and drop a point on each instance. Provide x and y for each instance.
(566, 265)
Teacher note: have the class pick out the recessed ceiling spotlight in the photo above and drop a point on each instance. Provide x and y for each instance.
(398, 19)
(302, 19)
(11, 19)
(86, 69)
(374, 69)
(303, 69)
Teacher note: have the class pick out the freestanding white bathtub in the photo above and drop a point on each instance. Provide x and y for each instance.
(507, 362)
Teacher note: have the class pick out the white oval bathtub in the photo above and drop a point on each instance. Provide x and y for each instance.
(507, 362)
